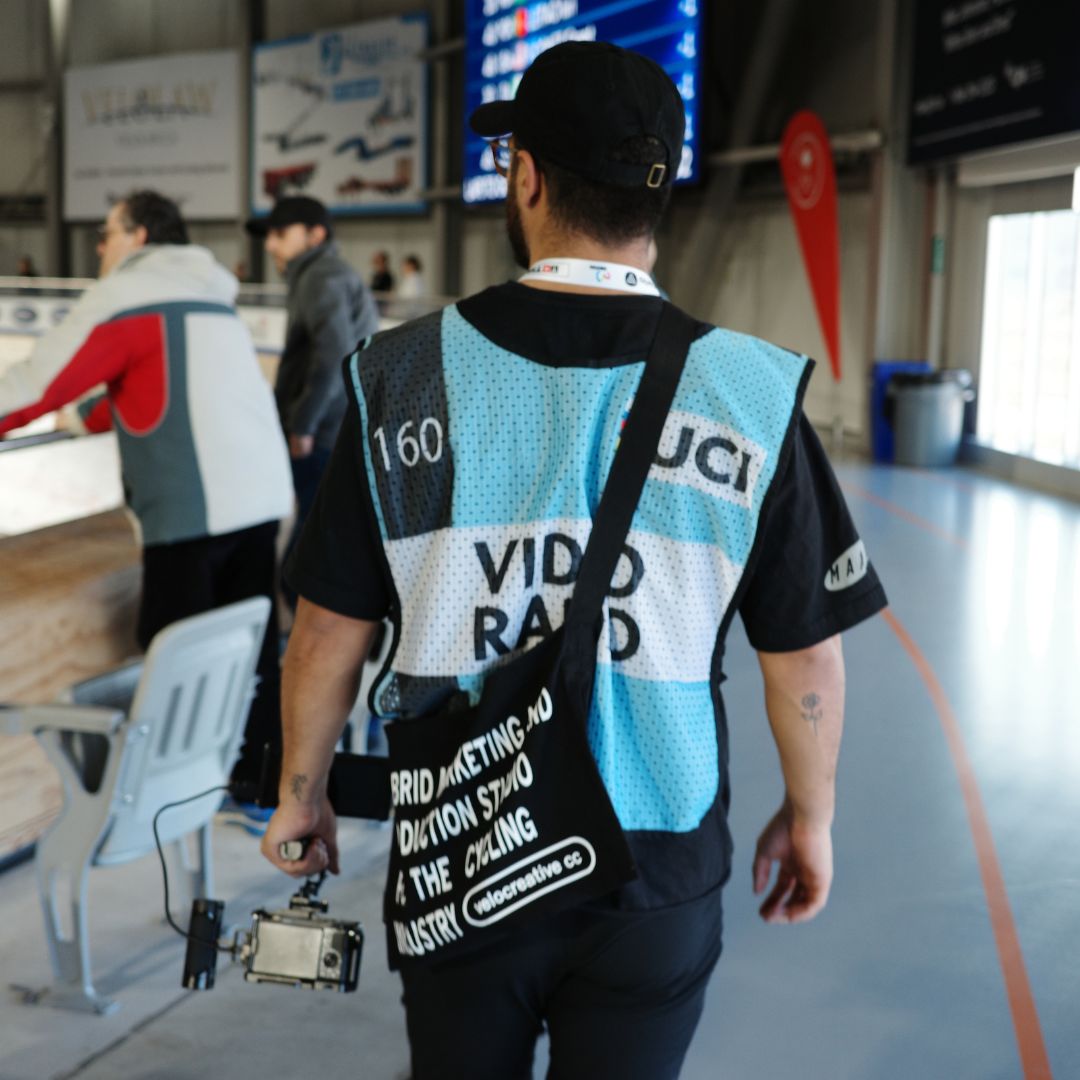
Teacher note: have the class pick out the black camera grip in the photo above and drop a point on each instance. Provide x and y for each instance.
(200, 962)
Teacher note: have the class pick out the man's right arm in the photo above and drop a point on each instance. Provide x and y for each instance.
(99, 360)
(320, 681)
(804, 697)
(64, 360)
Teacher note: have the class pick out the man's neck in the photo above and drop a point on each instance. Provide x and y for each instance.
(548, 249)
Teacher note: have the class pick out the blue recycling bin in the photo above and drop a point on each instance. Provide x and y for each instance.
(881, 432)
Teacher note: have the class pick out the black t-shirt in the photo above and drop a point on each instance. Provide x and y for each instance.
(806, 537)
(806, 579)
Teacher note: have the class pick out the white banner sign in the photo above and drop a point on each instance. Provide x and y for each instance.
(170, 123)
(342, 116)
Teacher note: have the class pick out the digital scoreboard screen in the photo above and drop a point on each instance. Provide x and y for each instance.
(503, 37)
(992, 74)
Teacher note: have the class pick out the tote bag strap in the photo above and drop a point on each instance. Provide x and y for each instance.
(626, 479)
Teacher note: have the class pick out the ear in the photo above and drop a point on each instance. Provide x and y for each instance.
(141, 235)
(318, 234)
(529, 179)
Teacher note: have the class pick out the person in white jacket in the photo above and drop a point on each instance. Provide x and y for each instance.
(205, 466)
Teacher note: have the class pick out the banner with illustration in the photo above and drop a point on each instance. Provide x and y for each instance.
(170, 123)
(341, 115)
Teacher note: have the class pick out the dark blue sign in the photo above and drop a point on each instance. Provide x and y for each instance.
(503, 37)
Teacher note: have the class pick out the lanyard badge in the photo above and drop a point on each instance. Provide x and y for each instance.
(598, 275)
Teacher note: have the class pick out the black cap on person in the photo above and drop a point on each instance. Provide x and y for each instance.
(579, 102)
(292, 210)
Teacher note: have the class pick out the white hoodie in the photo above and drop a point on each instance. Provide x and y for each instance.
(200, 443)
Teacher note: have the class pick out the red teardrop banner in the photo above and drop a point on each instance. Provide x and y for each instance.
(810, 181)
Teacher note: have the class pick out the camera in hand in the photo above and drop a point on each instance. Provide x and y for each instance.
(302, 946)
(298, 946)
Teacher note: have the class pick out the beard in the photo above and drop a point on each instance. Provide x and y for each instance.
(515, 232)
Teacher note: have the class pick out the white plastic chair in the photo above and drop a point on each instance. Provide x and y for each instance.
(129, 742)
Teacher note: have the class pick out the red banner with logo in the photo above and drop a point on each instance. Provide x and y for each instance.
(810, 181)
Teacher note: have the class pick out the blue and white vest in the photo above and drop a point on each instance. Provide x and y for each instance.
(485, 469)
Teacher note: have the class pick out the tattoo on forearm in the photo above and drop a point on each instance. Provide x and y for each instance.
(296, 785)
(812, 710)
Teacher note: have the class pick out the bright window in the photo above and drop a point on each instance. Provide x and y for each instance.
(1029, 378)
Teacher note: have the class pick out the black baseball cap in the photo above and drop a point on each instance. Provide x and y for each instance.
(580, 101)
(293, 210)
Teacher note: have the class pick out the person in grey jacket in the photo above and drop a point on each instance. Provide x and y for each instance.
(330, 310)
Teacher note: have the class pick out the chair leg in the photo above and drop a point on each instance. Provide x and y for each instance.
(203, 881)
(59, 865)
(190, 877)
(182, 879)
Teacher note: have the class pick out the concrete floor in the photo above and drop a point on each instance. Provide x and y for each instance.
(948, 949)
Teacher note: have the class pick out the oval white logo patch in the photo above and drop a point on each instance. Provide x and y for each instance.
(848, 569)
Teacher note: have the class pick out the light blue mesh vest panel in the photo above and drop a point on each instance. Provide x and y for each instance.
(486, 468)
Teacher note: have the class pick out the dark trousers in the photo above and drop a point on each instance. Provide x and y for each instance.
(620, 992)
(193, 576)
(306, 474)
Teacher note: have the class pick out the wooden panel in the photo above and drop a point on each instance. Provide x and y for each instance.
(30, 793)
(68, 598)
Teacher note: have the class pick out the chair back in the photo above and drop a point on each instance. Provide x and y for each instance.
(185, 725)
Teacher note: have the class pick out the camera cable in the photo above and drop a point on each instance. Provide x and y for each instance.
(231, 949)
(309, 890)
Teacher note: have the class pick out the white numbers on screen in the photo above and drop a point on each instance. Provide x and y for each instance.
(426, 444)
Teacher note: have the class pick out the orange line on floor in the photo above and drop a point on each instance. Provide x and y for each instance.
(909, 517)
(1029, 1037)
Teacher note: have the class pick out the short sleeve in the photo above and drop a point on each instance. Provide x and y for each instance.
(338, 561)
(810, 576)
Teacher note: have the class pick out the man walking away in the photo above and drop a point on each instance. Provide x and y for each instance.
(515, 401)
(330, 310)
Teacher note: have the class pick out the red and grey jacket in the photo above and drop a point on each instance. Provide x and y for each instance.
(200, 444)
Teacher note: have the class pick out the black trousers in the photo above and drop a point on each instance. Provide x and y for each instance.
(621, 994)
(193, 576)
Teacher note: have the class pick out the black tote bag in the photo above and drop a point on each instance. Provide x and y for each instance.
(500, 814)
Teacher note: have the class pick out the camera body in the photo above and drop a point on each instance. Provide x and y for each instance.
(303, 946)
(300, 946)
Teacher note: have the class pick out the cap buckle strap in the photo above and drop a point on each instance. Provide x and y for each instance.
(656, 175)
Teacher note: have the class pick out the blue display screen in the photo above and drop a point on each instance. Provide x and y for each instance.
(503, 37)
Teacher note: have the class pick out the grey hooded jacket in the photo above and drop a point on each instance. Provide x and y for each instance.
(330, 310)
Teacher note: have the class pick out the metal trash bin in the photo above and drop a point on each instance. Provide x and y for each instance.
(928, 416)
(881, 431)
